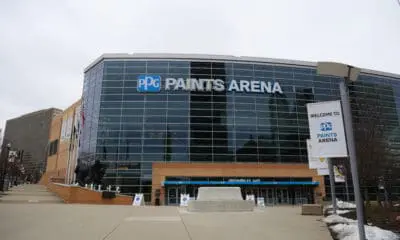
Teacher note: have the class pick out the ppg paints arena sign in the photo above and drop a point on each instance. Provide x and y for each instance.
(326, 129)
(152, 83)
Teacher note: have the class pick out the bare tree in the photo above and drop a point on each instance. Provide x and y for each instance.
(373, 122)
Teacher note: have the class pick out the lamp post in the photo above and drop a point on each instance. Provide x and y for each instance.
(348, 73)
(4, 164)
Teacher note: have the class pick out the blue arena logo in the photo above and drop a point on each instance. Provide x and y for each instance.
(326, 134)
(149, 83)
(326, 126)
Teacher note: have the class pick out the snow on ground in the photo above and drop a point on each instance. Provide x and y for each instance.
(347, 229)
(339, 211)
(334, 219)
(350, 232)
(341, 204)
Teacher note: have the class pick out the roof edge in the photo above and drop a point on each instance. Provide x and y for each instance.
(185, 56)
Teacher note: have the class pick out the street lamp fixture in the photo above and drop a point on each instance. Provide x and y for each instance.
(347, 72)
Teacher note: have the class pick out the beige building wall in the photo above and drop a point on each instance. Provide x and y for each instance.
(60, 166)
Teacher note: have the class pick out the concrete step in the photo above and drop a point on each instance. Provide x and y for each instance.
(22, 193)
(29, 193)
(33, 201)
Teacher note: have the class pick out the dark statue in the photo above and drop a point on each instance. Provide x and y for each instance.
(86, 174)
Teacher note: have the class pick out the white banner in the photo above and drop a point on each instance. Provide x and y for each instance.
(325, 120)
(138, 200)
(323, 171)
(339, 175)
(315, 162)
(184, 200)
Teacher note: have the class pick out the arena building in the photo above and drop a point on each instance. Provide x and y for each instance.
(165, 124)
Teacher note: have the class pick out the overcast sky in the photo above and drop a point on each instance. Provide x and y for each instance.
(46, 44)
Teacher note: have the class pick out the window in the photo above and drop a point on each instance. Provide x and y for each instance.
(53, 147)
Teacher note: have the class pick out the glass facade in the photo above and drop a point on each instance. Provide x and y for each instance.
(129, 130)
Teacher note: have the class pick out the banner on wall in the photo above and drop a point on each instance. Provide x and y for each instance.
(63, 128)
(68, 130)
(315, 162)
(325, 121)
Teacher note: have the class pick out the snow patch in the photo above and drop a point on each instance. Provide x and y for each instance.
(347, 229)
(339, 211)
(341, 205)
(350, 232)
(335, 219)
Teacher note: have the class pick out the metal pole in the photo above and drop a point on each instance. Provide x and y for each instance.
(332, 183)
(348, 123)
(347, 189)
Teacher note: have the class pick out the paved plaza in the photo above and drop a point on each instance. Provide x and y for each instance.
(48, 221)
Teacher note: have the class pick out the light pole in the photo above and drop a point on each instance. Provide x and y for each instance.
(348, 73)
(332, 183)
(4, 162)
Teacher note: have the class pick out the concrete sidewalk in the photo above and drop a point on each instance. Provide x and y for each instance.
(65, 221)
(29, 193)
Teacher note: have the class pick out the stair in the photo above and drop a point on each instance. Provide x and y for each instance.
(29, 193)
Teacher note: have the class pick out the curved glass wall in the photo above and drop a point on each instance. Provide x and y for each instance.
(129, 130)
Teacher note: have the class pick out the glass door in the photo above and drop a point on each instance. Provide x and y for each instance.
(172, 196)
(282, 196)
(285, 196)
(270, 196)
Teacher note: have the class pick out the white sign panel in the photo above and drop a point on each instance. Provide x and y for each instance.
(323, 171)
(250, 197)
(325, 120)
(339, 176)
(184, 200)
(260, 202)
(315, 162)
(138, 200)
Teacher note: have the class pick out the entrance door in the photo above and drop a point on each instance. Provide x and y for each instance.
(172, 196)
(282, 196)
(270, 196)
(298, 197)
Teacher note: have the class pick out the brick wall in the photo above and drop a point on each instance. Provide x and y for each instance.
(76, 194)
